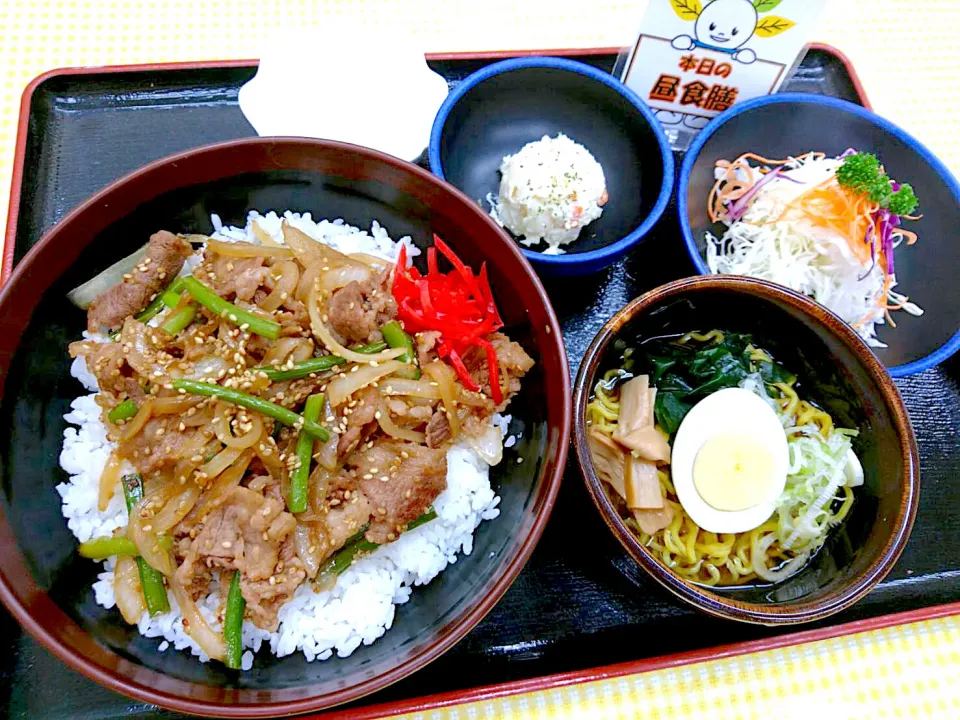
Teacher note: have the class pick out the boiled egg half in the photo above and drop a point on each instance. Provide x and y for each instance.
(729, 461)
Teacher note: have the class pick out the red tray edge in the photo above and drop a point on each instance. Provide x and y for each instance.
(549, 682)
(432, 702)
(16, 180)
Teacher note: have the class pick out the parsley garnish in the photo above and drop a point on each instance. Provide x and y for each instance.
(863, 174)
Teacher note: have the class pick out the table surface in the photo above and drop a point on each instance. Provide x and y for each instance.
(904, 53)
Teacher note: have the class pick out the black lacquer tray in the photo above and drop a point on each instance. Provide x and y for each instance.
(580, 603)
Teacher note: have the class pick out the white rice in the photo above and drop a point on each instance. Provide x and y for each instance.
(361, 607)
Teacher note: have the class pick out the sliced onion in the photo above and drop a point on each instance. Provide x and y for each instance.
(174, 405)
(136, 424)
(176, 508)
(323, 334)
(391, 428)
(134, 334)
(320, 480)
(343, 386)
(248, 250)
(230, 478)
(304, 247)
(333, 258)
(446, 384)
(471, 399)
(411, 388)
(191, 457)
(270, 457)
(196, 626)
(308, 279)
(488, 444)
(338, 277)
(203, 416)
(310, 251)
(84, 295)
(208, 367)
(221, 426)
(373, 261)
(263, 236)
(109, 479)
(143, 533)
(127, 589)
(286, 275)
(294, 348)
(224, 459)
(308, 548)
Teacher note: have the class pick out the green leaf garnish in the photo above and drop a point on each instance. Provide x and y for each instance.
(863, 174)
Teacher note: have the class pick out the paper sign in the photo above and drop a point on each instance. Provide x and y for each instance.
(694, 60)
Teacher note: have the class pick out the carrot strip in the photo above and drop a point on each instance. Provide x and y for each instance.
(827, 205)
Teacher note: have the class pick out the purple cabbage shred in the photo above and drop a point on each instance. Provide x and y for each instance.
(739, 207)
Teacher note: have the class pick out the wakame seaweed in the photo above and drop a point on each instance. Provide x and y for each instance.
(685, 373)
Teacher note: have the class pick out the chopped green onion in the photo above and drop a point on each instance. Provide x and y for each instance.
(233, 623)
(397, 338)
(216, 304)
(124, 411)
(180, 319)
(149, 312)
(161, 300)
(299, 479)
(103, 547)
(151, 581)
(251, 402)
(429, 515)
(317, 364)
(370, 349)
(171, 296)
(358, 544)
(303, 369)
(344, 557)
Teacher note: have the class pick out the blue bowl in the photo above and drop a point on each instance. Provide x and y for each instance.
(499, 109)
(791, 124)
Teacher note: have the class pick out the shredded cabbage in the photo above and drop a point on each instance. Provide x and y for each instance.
(809, 259)
(819, 467)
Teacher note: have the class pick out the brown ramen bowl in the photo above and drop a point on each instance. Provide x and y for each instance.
(837, 370)
(47, 586)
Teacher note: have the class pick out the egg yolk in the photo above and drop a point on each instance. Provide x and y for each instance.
(733, 472)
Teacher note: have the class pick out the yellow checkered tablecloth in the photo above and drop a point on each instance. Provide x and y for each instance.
(898, 672)
(906, 55)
